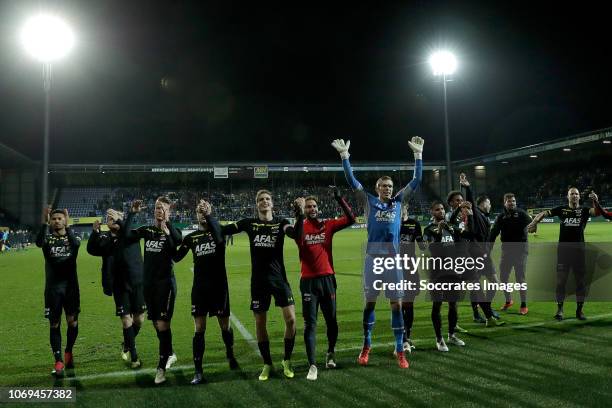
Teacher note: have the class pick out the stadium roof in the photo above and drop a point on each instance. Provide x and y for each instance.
(11, 158)
(583, 140)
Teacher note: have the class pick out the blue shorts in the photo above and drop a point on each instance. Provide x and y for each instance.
(374, 280)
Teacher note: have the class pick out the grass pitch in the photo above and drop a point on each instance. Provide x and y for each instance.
(532, 361)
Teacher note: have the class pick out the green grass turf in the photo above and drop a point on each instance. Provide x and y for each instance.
(532, 361)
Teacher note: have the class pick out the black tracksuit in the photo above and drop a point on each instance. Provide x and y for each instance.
(512, 224)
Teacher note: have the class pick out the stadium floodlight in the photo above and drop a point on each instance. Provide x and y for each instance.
(444, 63)
(47, 38)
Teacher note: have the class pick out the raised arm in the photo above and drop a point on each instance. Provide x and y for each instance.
(128, 232)
(95, 245)
(343, 149)
(598, 209)
(344, 205)
(182, 250)
(496, 229)
(204, 208)
(234, 228)
(175, 237)
(42, 234)
(416, 145)
(469, 231)
(74, 241)
(533, 225)
(453, 216)
(215, 229)
(296, 231)
(419, 237)
(463, 182)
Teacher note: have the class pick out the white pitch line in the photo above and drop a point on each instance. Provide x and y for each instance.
(249, 338)
(245, 333)
(132, 373)
(552, 323)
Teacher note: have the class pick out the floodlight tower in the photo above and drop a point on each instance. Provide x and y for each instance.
(444, 63)
(47, 38)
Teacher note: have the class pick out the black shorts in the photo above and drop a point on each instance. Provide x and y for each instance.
(64, 296)
(211, 301)
(319, 287)
(262, 292)
(410, 295)
(446, 295)
(129, 302)
(160, 300)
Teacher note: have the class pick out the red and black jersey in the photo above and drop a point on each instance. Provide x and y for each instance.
(315, 246)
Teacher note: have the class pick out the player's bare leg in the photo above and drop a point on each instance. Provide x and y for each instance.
(228, 339)
(264, 344)
(289, 316)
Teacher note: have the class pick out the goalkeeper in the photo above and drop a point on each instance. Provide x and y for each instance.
(383, 213)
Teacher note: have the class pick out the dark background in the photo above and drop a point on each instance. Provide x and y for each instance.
(255, 82)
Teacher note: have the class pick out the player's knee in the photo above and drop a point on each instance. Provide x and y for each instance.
(54, 324)
(126, 321)
(290, 321)
(224, 324)
(138, 319)
(72, 321)
(260, 319)
(199, 325)
(162, 325)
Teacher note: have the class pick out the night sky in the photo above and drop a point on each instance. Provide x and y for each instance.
(248, 82)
